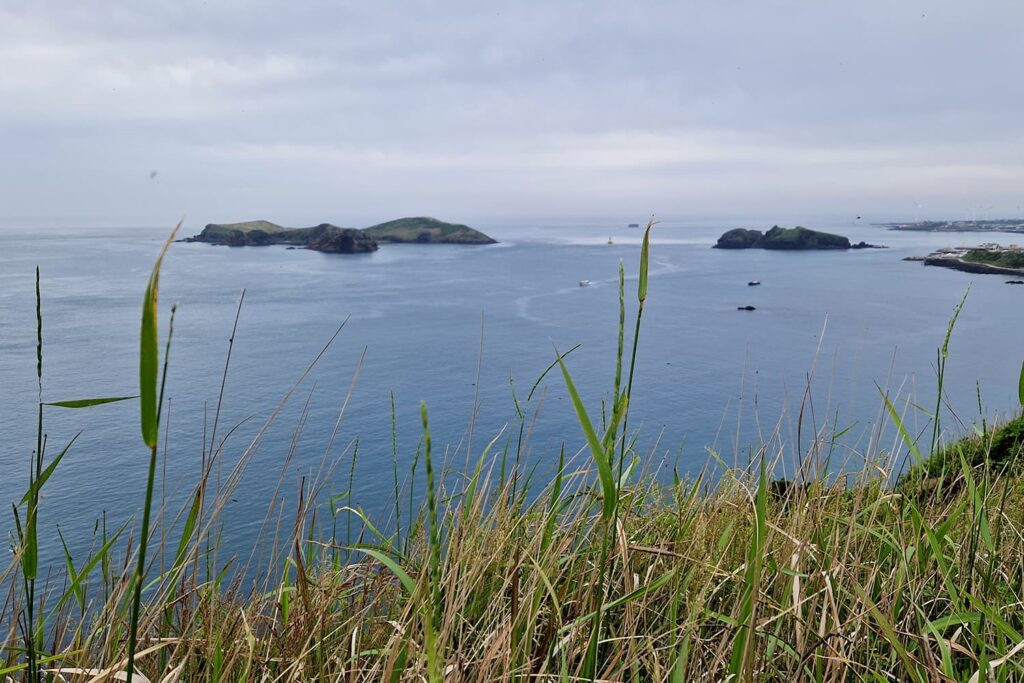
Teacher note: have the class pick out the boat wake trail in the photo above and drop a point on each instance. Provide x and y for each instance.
(524, 303)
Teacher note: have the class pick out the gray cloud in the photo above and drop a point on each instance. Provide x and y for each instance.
(483, 111)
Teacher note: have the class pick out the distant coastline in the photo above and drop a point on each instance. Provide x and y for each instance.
(995, 225)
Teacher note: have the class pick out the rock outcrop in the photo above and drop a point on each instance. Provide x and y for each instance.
(739, 238)
(334, 240)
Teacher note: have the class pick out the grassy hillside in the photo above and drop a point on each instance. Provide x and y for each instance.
(246, 226)
(425, 229)
(802, 238)
(259, 233)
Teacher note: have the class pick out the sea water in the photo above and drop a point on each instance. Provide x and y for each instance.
(469, 330)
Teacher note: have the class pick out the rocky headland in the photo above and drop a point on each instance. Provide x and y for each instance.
(986, 259)
(793, 239)
(333, 239)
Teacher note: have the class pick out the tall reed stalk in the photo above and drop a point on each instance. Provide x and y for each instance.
(603, 450)
(151, 394)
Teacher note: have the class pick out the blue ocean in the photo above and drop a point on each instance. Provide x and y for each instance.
(468, 330)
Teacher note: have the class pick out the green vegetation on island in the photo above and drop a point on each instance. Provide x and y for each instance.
(331, 238)
(424, 229)
(798, 238)
(482, 571)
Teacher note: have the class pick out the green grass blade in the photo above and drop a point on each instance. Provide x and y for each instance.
(149, 352)
(29, 558)
(187, 530)
(76, 589)
(149, 363)
(892, 638)
(618, 602)
(368, 525)
(618, 412)
(604, 468)
(645, 253)
(895, 417)
(544, 374)
(622, 333)
(403, 577)
(37, 484)
(682, 661)
(39, 335)
(1020, 385)
(87, 402)
(952, 322)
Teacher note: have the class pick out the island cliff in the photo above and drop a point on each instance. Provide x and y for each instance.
(798, 238)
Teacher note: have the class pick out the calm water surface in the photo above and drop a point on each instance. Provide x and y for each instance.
(430, 318)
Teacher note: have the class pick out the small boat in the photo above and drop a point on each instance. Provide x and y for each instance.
(753, 283)
(633, 225)
(584, 283)
(610, 241)
(745, 308)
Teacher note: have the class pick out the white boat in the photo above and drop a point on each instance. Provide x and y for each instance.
(584, 283)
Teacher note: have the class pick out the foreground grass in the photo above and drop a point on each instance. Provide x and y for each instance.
(824, 583)
(602, 573)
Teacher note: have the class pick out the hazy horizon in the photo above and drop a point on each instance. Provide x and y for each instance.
(139, 113)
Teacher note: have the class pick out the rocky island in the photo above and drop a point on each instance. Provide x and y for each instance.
(984, 259)
(333, 239)
(793, 239)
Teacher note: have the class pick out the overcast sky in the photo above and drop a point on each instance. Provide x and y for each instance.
(484, 112)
